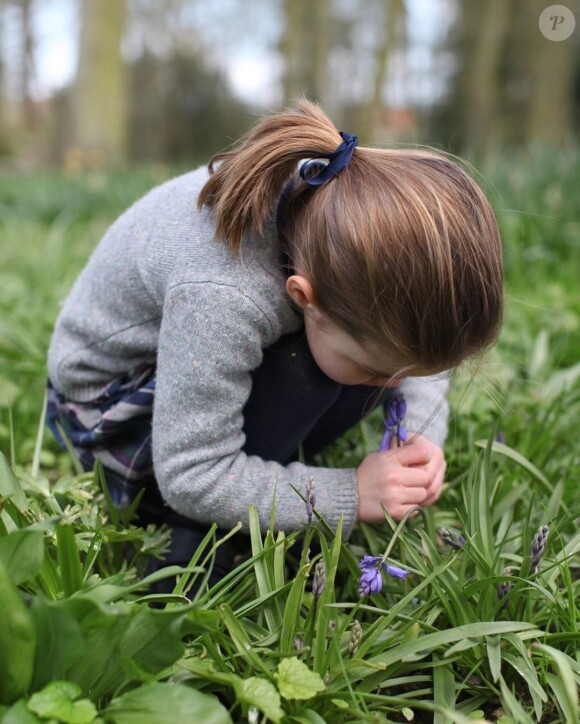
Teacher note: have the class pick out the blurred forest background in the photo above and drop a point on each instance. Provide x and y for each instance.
(88, 84)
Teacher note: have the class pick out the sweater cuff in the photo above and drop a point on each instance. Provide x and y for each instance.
(336, 495)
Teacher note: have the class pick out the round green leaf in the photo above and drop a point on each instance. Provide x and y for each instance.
(161, 703)
(261, 694)
(296, 681)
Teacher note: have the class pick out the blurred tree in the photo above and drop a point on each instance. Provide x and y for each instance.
(393, 26)
(3, 121)
(182, 108)
(99, 102)
(182, 111)
(552, 69)
(20, 62)
(511, 85)
(27, 69)
(487, 25)
(305, 47)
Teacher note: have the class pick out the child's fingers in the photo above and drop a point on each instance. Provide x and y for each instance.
(434, 490)
(415, 454)
(413, 496)
(415, 478)
(398, 511)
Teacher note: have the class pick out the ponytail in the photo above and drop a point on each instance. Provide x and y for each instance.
(244, 189)
(402, 248)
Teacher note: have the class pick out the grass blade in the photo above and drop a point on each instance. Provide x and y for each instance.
(566, 690)
(71, 570)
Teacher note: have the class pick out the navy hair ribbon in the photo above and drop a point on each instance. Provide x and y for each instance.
(338, 160)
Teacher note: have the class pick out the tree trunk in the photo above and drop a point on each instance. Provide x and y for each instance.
(489, 23)
(552, 83)
(305, 48)
(394, 15)
(100, 97)
(319, 24)
(27, 70)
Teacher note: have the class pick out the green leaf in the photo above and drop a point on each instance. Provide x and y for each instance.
(443, 688)
(422, 646)
(161, 703)
(71, 570)
(323, 613)
(564, 685)
(309, 716)
(22, 552)
(562, 697)
(523, 666)
(57, 701)
(508, 452)
(296, 681)
(292, 608)
(240, 637)
(265, 584)
(512, 705)
(10, 486)
(494, 655)
(19, 714)
(260, 693)
(59, 642)
(152, 639)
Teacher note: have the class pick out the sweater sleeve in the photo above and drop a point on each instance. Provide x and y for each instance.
(427, 406)
(211, 338)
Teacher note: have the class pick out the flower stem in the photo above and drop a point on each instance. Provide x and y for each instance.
(399, 528)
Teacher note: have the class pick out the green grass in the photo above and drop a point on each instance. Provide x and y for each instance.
(438, 647)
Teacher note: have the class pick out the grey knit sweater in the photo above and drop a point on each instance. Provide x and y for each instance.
(159, 288)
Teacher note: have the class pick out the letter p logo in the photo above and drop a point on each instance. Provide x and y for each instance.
(557, 22)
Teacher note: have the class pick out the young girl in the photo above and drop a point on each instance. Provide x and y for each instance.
(272, 301)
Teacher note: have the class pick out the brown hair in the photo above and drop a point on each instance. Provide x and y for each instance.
(402, 248)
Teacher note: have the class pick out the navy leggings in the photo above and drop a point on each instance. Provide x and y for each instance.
(292, 402)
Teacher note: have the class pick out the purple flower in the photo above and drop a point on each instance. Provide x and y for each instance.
(310, 498)
(396, 411)
(386, 440)
(451, 537)
(395, 571)
(371, 580)
(538, 547)
(318, 578)
(505, 587)
(369, 561)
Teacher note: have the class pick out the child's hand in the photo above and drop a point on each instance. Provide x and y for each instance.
(399, 479)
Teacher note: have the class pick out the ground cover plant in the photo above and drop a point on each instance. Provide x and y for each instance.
(479, 617)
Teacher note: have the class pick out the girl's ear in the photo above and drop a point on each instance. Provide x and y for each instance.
(300, 291)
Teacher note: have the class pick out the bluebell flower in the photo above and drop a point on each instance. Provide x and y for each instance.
(538, 547)
(386, 440)
(310, 498)
(451, 537)
(318, 578)
(396, 411)
(371, 580)
(505, 587)
(369, 561)
(355, 637)
(395, 571)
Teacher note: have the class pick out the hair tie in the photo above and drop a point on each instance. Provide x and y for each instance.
(338, 160)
